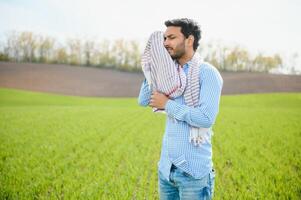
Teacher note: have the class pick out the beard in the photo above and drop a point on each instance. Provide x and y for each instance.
(177, 54)
(178, 51)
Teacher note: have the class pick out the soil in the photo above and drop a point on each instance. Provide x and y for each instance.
(100, 82)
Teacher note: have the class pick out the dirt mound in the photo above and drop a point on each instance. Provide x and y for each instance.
(88, 81)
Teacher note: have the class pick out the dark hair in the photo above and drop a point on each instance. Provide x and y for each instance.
(188, 27)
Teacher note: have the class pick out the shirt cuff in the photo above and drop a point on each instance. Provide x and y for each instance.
(171, 107)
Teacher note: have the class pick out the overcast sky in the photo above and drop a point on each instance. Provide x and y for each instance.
(268, 26)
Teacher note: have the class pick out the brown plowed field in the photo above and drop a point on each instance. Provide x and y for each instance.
(88, 81)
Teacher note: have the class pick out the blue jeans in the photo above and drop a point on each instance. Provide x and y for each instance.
(182, 185)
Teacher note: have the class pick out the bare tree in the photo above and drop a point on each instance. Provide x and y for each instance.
(237, 59)
(27, 45)
(45, 47)
(60, 55)
(88, 51)
(75, 51)
(4, 56)
(12, 46)
(135, 55)
(106, 55)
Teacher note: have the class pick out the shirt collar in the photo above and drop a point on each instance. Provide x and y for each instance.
(186, 65)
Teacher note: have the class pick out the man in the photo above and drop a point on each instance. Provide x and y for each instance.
(186, 171)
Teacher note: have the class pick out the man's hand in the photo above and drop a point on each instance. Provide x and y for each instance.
(158, 100)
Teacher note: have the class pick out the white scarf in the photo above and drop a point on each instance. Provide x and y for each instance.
(165, 75)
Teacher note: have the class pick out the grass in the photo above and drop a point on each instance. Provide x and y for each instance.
(64, 147)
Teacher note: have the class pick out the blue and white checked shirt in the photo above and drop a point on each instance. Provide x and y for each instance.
(176, 148)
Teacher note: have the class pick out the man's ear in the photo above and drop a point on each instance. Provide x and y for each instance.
(190, 40)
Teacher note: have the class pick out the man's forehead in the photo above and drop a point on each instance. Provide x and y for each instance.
(172, 30)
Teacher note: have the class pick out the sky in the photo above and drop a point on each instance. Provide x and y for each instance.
(265, 26)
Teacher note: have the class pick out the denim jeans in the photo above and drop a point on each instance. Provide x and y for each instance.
(182, 186)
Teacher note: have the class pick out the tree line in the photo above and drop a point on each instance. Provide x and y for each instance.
(119, 54)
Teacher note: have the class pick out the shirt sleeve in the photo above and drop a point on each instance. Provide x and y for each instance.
(145, 94)
(205, 114)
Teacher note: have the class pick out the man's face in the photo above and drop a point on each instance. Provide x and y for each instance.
(174, 42)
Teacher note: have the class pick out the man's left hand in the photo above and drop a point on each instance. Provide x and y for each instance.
(158, 100)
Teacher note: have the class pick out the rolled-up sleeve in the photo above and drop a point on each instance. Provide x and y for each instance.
(205, 114)
(145, 94)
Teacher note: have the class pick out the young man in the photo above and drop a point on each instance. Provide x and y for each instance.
(185, 171)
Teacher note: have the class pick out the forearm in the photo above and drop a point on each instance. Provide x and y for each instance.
(145, 94)
(205, 113)
(197, 117)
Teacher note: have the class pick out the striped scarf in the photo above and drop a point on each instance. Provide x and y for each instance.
(165, 75)
(170, 79)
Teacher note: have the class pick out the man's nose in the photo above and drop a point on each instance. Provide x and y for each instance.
(166, 43)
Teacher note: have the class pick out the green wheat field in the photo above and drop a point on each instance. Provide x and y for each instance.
(64, 147)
